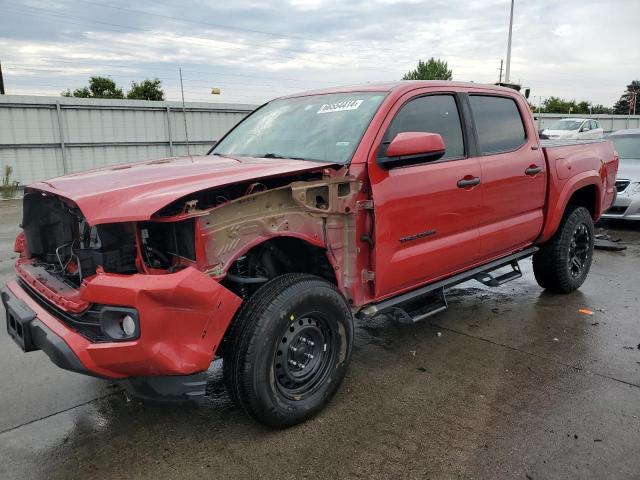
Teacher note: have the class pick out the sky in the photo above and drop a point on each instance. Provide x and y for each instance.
(257, 50)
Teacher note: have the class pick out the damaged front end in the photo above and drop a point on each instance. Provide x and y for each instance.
(125, 298)
(152, 297)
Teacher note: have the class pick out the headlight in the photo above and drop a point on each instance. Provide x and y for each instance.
(120, 323)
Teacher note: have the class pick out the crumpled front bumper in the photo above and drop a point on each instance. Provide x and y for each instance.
(183, 317)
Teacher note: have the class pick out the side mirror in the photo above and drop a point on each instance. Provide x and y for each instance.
(408, 148)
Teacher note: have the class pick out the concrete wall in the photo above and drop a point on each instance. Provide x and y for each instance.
(610, 123)
(44, 137)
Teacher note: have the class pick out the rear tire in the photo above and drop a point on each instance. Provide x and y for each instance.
(289, 350)
(562, 264)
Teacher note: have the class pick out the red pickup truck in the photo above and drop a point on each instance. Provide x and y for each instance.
(315, 209)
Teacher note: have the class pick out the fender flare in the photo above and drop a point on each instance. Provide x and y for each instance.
(557, 207)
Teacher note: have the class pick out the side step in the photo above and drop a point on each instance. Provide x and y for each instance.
(436, 304)
(490, 281)
(398, 303)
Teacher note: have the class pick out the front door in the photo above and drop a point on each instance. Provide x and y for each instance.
(425, 218)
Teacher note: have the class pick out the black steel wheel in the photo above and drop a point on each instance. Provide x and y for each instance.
(562, 264)
(579, 250)
(289, 350)
(308, 350)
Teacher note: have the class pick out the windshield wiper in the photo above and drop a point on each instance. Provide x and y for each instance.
(275, 155)
(227, 156)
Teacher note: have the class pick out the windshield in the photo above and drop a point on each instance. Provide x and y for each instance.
(565, 125)
(627, 147)
(317, 127)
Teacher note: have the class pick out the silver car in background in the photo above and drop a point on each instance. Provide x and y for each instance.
(574, 129)
(627, 204)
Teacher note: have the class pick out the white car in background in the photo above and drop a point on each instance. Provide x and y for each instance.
(574, 128)
(627, 203)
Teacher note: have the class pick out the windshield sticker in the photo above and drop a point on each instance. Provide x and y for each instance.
(340, 106)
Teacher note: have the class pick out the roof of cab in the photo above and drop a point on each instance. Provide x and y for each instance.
(399, 86)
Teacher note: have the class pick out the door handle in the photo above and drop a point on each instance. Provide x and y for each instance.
(468, 182)
(533, 170)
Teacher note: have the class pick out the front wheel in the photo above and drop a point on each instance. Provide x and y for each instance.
(289, 350)
(562, 264)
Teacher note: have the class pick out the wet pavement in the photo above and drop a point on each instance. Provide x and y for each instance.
(508, 383)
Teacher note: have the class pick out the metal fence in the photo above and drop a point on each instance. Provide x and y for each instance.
(44, 137)
(610, 123)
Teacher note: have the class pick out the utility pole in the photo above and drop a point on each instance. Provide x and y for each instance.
(508, 69)
(1, 81)
(184, 113)
(500, 81)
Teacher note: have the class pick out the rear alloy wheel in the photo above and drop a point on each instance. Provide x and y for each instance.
(289, 349)
(562, 264)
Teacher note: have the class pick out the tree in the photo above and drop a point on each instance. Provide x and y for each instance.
(146, 90)
(632, 92)
(99, 87)
(560, 105)
(432, 69)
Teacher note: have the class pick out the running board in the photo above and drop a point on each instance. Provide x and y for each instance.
(482, 271)
(490, 281)
(438, 303)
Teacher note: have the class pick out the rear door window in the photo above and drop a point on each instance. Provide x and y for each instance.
(498, 123)
(433, 114)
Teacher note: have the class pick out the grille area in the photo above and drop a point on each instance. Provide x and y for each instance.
(86, 324)
(617, 210)
(621, 185)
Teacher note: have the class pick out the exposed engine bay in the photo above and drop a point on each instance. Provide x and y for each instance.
(59, 239)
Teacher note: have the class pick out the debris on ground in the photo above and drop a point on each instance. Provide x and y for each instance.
(585, 311)
(603, 241)
(439, 334)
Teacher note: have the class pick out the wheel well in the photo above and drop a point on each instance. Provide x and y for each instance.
(276, 257)
(585, 197)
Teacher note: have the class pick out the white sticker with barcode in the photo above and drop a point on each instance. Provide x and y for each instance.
(340, 106)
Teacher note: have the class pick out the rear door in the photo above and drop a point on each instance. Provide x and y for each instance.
(513, 174)
(425, 224)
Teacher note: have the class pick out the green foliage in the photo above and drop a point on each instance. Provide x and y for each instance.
(8, 188)
(432, 69)
(146, 90)
(622, 106)
(99, 87)
(560, 105)
(104, 87)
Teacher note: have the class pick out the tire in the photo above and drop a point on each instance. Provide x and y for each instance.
(289, 350)
(562, 264)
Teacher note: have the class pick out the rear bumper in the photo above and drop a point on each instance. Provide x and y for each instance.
(183, 317)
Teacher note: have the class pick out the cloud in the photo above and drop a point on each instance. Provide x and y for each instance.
(255, 50)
